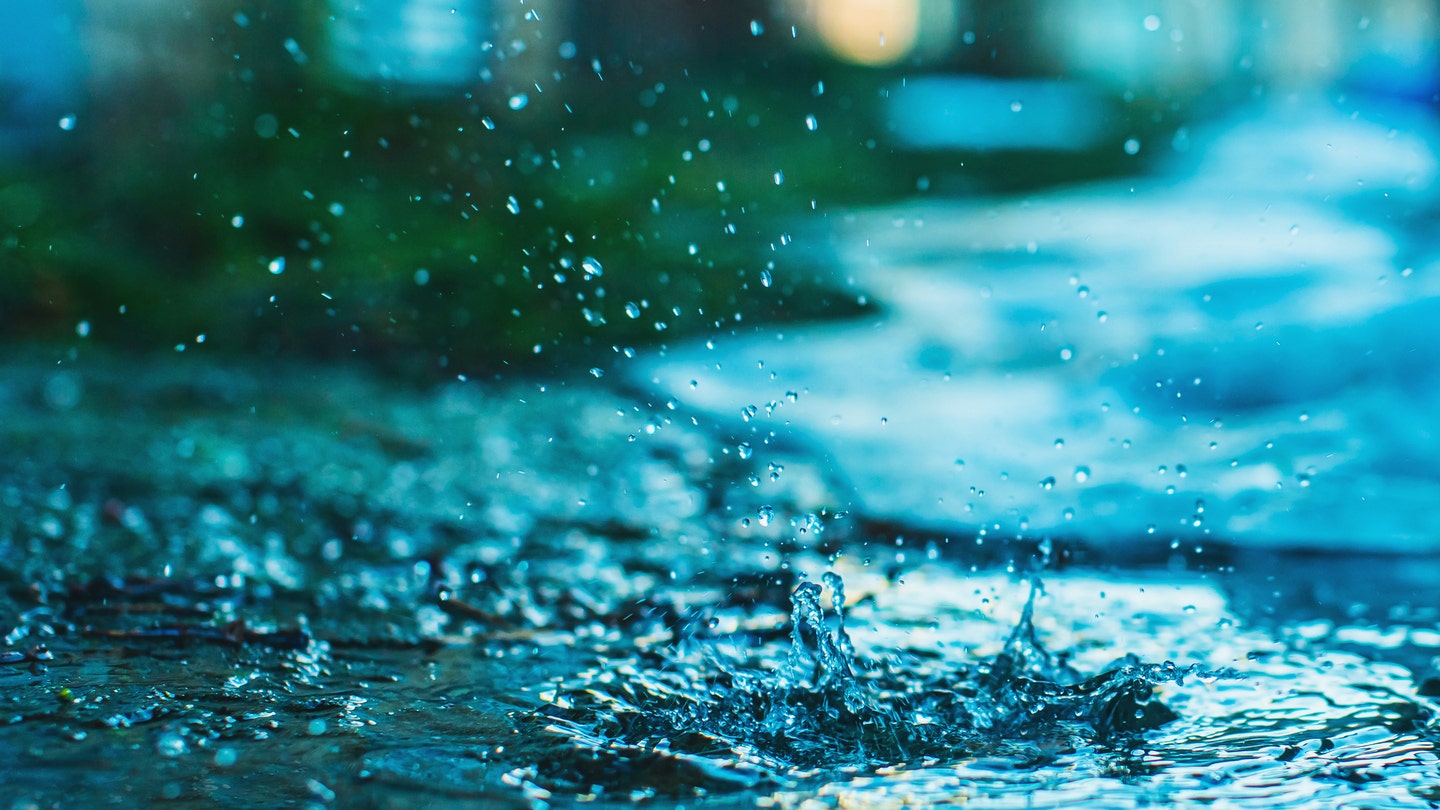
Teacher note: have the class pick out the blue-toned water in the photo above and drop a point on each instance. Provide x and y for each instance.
(1232, 348)
(952, 698)
(1123, 497)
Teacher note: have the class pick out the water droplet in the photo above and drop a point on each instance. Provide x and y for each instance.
(336, 209)
(1066, 354)
(1083, 291)
(756, 28)
(632, 309)
(811, 124)
(1102, 316)
(766, 515)
(83, 329)
(1059, 444)
(1016, 106)
(293, 48)
(277, 265)
(237, 221)
(1152, 22)
(487, 122)
(519, 101)
(266, 125)
(1047, 482)
(512, 205)
(745, 450)
(67, 123)
(592, 267)
(779, 177)
(765, 278)
(1082, 474)
(1132, 146)
(171, 744)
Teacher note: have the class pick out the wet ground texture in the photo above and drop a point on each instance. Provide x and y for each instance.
(305, 586)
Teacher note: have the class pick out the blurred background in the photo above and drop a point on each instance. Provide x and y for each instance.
(469, 184)
(373, 372)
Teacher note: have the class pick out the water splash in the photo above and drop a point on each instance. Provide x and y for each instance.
(779, 713)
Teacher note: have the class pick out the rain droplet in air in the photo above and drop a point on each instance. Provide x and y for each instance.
(277, 265)
(766, 515)
(592, 267)
(1082, 474)
(766, 279)
(1132, 146)
(68, 123)
(632, 309)
(811, 124)
(519, 101)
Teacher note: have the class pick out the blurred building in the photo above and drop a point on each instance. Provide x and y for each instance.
(1137, 45)
(54, 56)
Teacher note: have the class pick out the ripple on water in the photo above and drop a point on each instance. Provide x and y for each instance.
(925, 694)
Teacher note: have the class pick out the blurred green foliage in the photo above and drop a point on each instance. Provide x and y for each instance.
(448, 231)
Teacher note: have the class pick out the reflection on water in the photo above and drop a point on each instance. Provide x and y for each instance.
(739, 701)
(1291, 724)
(1233, 351)
(463, 610)
(790, 564)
